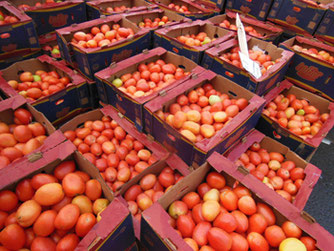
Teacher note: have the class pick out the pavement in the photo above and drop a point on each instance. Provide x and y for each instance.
(321, 202)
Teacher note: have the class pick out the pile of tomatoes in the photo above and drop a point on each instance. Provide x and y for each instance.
(201, 113)
(274, 170)
(148, 23)
(50, 211)
(264, 60)
(117, 9)
(40, 84)
(182, 9)
(297, 115)
(101, 36)
(7, 19)
(248, 29)
(219, 217)
(20, 138)
(38, 4)
(118, 156)
(149, 78)
(150, 188)
(195, 40)
(322, 54)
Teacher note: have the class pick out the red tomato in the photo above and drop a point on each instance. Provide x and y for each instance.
(219, 239)
(13, 237)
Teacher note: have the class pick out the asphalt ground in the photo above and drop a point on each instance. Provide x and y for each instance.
(321, 202)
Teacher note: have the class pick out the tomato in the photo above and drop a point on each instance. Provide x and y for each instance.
(99, 205)
(308, 242)
(177, 208)
(257, 223)
(30, 236)
(44, 225)
(3, 217)
(68, 243)
(13, 237)
(85, 223)
(64, 168)
(43, 243)
(257, 242)
(93, 189)
(8, 200)
(226, 221)
(274, 235)
(241, 191)
(239, 243)
(276, 156)
(166, 179)
(23, 116)
(31, 146)
(144, 201)
(291, 230)
(210, 210)
(203, 189)
(191, 199)
(73, 184)
(242, 221)
(27, 213)
(49, 194)
(215, 180)
(229, 200)
(255, 158)
(267, 213)
(297, 173)
(67, 217)
(7, 140)
(246, 204)
(41, 179)
(219, 239)
(11, 219)
(185, 225)
(22, 133)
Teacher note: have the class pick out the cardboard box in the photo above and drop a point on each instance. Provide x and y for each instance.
(309, 72)
(114, 231)
(97, 8)
(92, 60)
(298, 15)
(59, 106)
(157, 233)
(130, 107)
(195, 11)
(10, 58)
(303, 147)
(269, 32)
(197, 153)
(325, 30)
(312, 172)
(12, 33)
(219, 4)
(55, 15)
(54, 138)
(173, 161)
(258, 9)
(212, 61)
(167, 38)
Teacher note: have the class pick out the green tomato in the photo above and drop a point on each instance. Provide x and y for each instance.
(214, 99)
(117, 82)
(37, 78)
(1, 18)
(300, 112)
(55, 51)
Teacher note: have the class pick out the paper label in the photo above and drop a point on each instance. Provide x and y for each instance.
(250, 66)
(242, 36)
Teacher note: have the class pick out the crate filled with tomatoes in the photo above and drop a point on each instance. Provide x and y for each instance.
(186, 8)
(273, 63)
(14, 25)
(48, 85)
(24, 133)
(111, 7)
(276, 166)
(217, 207)
(113, 145)
(50, 15)
(155, 19)
(205, 114)
(296, 118)
(92, 46)
(141, 192)
(259, 29)
(302, 16)
(49, 45)
(191, 39)
(61, 202)
(131, 83)
(311, 66)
